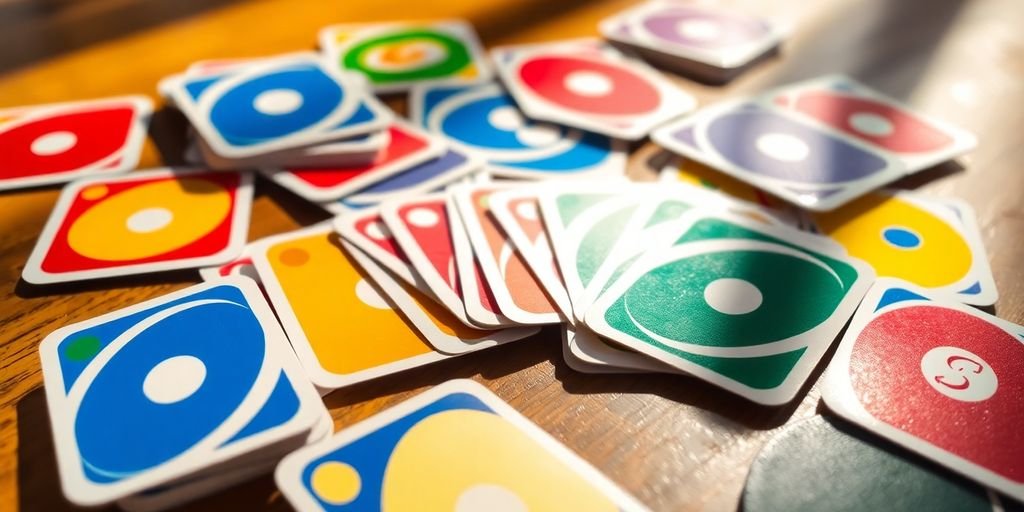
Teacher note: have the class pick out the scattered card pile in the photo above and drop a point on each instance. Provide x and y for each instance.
(499, 206)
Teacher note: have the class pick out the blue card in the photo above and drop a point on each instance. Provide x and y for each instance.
(276, 104)
(154, 392)
(485, 121)
(420, 179)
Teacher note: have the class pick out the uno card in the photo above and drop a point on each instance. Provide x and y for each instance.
(46, 144)
(444, 170)
(747, 307)
(348, 152)
(518, 215)
(455, 446)
(481, 306)
(396, 56)
(804, 162)
(798, 470)
(319, 291)
(590, 86)
(422, 230)
(275, 104)
(240, 266)
(937, 377)
(700, 33)
(437, 325)
(483, 120)
(519, 294)
(931, 242)
(163, 219)
(156, 391)
(917, 140)
(366, 230)
(407, 148)
(585, 352)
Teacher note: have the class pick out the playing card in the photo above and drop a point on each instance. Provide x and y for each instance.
(275, 104)
(585, 352)
(349, 152)
(588, 85)
(421, 228)
(366, 230)
(804, 162)
(239, 266)
(407, 147)
(45, 144)
(319, 291)
(747, 307)
(155, 391)
(798, 469)
(452, 447)
(937, 377)
(143, 222)
(436, 324)
(518, 215)
(520, 296)
(703, 34)
(431, 175)
(481, 306)
(917, 140)
(931, 242)
(483, 120)
(396, 56)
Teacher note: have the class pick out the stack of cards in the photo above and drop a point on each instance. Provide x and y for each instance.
(706, 43)
(176, 397)
(455, 447)
(47, 144)
(818, 144)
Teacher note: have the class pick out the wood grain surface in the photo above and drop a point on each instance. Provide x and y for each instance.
(675, 443)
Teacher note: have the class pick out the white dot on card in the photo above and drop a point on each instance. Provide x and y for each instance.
(174, 379)
(783, 146)
(423, 218)
(149, 219)
(871, 124)
(276, 102)
(489, 498)
(527, 210)
(377, 231)
(588, 83)
(538, 135)
(732, 296)
(369, 295)
(699, 30)
(53, 143)
(506, 118)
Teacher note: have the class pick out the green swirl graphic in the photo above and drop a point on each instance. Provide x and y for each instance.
(457, 57)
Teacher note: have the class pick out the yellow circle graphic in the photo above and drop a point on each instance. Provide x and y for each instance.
(474, 456)
(336, 483)
(150, 219)
(934, 255)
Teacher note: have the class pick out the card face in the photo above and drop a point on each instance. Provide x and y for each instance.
(933, 243)
(694, 32)
(483, 120)
(366, 230)
(519, 294)
(805, 163)
(437, 325)
(937, 377)
(151, 221)
(396, 56)
(275, 104)
(844, 104)
(453, 445)
(518, 215)
(798, 468)
(745, 307)
(420, 179)
(46, 144)
(590, 86)
(156, 391)
(407, 148)
(318, 291)
(482, 308)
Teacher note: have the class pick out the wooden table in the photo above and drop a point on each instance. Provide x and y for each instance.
(676, 443)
